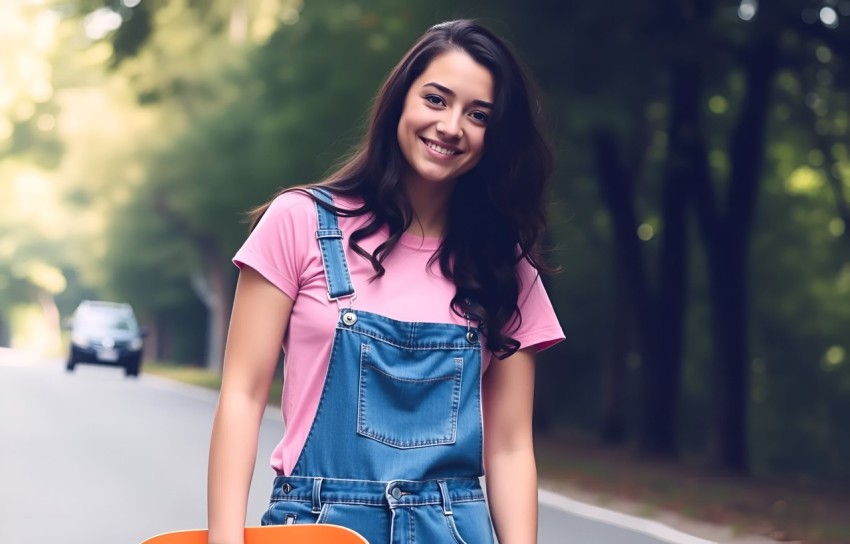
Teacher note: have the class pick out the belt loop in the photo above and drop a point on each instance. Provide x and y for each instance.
(317, 495)
(447, 501)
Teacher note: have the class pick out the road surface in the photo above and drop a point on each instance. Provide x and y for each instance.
(91, 457)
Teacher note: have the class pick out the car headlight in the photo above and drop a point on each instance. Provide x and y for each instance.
(80, 339)
(135, 344)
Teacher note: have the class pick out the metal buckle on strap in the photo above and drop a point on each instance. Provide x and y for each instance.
(324, 234)
(471, 335)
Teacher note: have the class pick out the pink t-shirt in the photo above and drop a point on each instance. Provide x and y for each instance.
(283, 249)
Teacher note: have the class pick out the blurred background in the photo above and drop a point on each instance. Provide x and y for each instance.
(700, 207)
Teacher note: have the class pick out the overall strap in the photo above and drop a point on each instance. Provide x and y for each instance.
(333, 253)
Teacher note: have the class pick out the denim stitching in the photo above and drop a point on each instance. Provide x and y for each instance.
(303, 493)
(460, 345)
(361, 385)
(337, 276)
(333, 260)
(324, 513)
(412, 336)
(413, 380)
(363, 427)
(308, 480)
(334, 347)
(476, 388)
(456, 396)
(450, 522)
(377, 502)
(391, 321)
(328, 233)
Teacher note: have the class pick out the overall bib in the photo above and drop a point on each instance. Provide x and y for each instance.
(395, 450)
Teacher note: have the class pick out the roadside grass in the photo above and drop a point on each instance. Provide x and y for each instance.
(202, 377)
(783, 510)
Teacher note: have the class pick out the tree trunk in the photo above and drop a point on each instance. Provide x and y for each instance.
(212, 284)
(153, 340)
(52, 319)
(617, 188)
(213, 288)
(5, 332)
(731, 355)
(831, 170)
(662, 384)
(660, 320)
(727, 241)
(614, 426)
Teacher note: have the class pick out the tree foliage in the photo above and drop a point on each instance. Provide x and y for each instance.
(700, 204)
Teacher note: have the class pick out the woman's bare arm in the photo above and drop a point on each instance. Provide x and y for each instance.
(509, 449)
(257, 325)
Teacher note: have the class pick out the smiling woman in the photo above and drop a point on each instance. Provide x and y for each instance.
(442, 125)
(405, 291)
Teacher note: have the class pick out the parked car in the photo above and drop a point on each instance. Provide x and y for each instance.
(106, 333)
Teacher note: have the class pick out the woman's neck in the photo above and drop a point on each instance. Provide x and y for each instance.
(430, 203)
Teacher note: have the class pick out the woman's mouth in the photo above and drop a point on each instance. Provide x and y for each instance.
(440, 149)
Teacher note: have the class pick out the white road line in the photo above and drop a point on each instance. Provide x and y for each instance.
(641, 525)
(548, 498)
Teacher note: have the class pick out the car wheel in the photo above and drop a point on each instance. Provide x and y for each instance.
(131, 369)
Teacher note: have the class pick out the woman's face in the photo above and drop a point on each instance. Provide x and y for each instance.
(442, 125)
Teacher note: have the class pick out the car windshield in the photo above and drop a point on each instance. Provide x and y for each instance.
(107, 321)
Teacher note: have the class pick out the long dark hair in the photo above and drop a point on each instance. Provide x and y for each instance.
(496, 212)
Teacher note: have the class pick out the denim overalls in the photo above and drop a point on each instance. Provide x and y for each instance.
(395, 450)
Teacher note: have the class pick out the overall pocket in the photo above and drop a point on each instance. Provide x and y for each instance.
(470, 523)
(286, 512)
(408, 399)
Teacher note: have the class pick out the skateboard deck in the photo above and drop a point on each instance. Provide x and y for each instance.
(272, 534)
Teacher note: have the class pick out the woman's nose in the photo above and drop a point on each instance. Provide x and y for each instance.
(450, 127)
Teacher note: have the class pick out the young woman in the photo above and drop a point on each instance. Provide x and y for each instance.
(405, 291)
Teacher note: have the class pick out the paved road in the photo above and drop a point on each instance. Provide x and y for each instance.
(94, 458)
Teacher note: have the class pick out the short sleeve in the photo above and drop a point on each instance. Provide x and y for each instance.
(277, 247)
(538, 324)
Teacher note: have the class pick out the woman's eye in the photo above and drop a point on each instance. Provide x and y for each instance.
(479, 116)
(435, 100)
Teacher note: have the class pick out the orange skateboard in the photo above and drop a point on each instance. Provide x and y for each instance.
(272, 534)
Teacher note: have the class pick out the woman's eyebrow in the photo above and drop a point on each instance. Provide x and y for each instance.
(446, 90)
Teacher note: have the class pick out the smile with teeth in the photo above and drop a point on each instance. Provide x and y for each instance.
(439, 149)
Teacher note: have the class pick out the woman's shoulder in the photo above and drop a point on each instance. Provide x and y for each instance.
(291, 201)
(298, 201)
(288, 211)
(348, 202)
(295, 209)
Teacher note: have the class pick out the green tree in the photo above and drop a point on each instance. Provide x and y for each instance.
(30, 263)
(661, 57)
